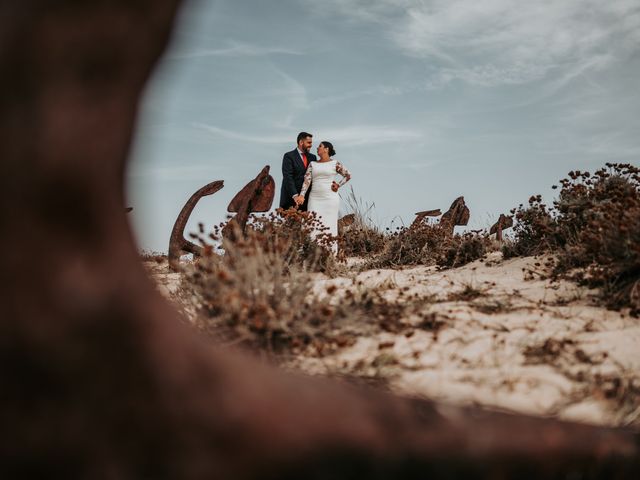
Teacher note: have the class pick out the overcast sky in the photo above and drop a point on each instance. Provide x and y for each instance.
(423, 100)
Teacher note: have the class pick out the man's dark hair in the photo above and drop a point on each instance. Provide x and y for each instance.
(302, 136)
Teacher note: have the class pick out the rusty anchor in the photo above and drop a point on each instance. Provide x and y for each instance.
(345, 222)
(177, 243)
(420, 216)
(256, 196)
(504, 222)
(457, 215)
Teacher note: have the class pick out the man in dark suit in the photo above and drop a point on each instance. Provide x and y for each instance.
(294, 166)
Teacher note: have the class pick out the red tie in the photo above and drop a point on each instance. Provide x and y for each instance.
(304, 159)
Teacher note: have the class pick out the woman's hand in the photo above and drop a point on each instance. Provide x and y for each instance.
(335, 186)
(299, 199)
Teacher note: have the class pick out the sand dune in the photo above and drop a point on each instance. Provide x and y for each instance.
(507, 338)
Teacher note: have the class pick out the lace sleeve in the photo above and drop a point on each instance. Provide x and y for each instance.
(346, 176)
(307, 180)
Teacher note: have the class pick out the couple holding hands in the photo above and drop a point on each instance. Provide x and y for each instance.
(303, 174)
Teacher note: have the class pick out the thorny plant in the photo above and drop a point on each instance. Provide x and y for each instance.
(593, 228)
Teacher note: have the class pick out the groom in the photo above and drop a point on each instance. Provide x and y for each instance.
(294, 166)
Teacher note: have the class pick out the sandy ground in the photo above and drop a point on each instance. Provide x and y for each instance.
(509, 340)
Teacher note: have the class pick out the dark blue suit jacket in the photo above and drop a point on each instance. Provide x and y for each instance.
(293, 171)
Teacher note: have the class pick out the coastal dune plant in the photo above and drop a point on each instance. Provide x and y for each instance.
(363, 237)
(593, 228)
(253, 289)
(430, 244)
(260, 291)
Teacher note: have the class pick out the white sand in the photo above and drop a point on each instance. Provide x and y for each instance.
(478, 356)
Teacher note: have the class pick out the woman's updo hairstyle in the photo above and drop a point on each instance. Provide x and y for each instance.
(328, 145)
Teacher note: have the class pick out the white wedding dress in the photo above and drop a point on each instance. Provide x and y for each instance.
(322, 200)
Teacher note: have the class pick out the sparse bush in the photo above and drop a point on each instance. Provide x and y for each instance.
(254, 289)
(429, 244)
(593, 226)
(420, 244)
(361, 241)
(260, 293)
(251, 293)
(362, 237)
(534, 231)
(465, 248)
(293, 235)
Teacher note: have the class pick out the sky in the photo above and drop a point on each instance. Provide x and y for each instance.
(423, 100)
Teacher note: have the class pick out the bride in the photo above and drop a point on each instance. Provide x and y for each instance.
(324, 198)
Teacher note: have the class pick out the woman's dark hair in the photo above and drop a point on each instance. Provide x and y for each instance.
(328, 145)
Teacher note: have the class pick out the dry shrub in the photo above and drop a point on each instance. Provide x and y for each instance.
(593, 226)
(254, 290)
(260, 293)
(465, 248)
(293, 235)
(363, 237)
(250, 294)
(420, 244)
(361, 240)
(534, 231)
(429, 244)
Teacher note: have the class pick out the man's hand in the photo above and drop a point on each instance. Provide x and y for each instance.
(335, 186)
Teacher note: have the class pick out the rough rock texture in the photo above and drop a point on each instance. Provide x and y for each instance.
(99, 378)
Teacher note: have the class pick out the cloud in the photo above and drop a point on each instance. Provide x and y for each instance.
(277, 139)
(295, 94)
(374, 91)
(502, 42)
(366, 135)
(347, 136)
(170, 172)
(489, 75)
(235, 49)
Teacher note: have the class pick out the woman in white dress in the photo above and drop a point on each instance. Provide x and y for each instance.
(324, 198)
